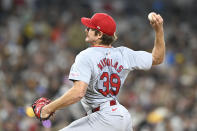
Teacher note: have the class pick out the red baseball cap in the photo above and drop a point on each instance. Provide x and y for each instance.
(102, 22)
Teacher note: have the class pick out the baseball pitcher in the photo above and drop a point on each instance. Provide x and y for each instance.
(98, 74)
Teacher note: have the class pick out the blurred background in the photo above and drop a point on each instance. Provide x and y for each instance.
(39, 40)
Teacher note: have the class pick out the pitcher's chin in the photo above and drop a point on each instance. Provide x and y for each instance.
(88, 40)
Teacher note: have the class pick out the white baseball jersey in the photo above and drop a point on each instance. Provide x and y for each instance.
(105, 70)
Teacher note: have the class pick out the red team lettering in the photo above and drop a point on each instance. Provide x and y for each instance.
(108, 62)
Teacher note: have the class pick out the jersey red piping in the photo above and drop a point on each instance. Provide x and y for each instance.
(102, 46)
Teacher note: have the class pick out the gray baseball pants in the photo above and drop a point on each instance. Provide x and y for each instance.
(108, 118)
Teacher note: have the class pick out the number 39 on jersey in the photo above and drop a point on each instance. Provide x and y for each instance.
(111, 84)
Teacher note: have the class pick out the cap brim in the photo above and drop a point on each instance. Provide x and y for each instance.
(87, 22)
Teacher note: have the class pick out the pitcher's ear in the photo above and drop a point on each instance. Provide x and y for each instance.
(100, 34)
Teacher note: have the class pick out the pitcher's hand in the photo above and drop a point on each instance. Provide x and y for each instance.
(157, 22)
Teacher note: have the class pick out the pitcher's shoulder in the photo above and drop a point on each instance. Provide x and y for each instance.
(124, 49)
(86, 53)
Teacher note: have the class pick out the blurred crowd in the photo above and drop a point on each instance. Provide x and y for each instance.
(39, 40)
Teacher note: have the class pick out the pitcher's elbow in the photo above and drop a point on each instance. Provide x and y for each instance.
(160, 62)
(81, 94)
(157, 61)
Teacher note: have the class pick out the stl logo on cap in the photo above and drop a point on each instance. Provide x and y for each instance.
(102, 22)
(98, 27)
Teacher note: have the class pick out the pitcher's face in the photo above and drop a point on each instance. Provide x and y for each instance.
(90, 36)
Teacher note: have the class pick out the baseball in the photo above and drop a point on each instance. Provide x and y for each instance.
(150, 16)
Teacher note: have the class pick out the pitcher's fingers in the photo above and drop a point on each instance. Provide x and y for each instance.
(159, 18)
(154, 17)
